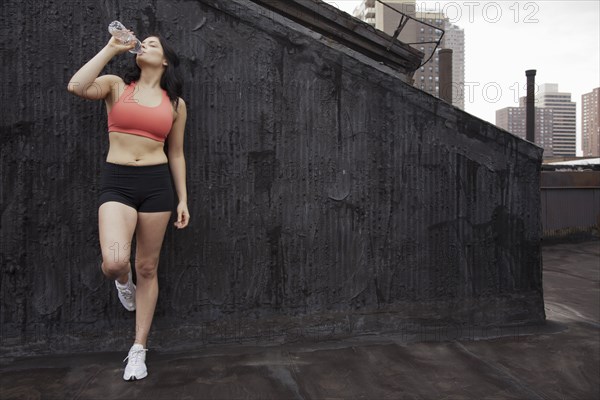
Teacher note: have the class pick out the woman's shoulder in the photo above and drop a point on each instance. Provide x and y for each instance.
(110, 79)
(181, 106)
(113, 83)
(116, 86)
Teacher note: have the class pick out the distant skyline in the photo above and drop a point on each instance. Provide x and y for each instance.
(559, 39)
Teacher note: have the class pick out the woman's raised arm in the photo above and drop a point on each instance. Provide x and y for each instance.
(86, 83)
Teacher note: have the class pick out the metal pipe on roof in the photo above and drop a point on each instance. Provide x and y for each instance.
(445, 88)
(530, 106)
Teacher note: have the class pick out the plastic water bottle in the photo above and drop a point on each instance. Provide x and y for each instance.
(120, 32)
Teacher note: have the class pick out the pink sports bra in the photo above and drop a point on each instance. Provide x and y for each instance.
(128, 116)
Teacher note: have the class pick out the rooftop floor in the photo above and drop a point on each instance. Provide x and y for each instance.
(557, 360)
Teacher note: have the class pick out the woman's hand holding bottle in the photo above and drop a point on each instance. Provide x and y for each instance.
(124, 39)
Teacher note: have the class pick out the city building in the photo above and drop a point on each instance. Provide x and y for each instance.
(454, 39)
(564, 118)
(590, 123)
(385, 17)
(513, 119)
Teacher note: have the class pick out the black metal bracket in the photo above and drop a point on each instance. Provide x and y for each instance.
(403, 20)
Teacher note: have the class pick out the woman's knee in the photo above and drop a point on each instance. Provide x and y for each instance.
(115, 269)
(146, 268)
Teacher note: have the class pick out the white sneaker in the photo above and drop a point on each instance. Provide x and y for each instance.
(127, 294)
(136, 367)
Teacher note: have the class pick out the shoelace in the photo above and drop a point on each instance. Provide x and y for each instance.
(135, 356)
(127, 292)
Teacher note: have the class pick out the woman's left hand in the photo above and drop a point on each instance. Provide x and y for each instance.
(183, 216)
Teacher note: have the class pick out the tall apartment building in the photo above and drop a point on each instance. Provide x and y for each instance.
(454, 38)
(513, 119)
(386, 19)
(427, 77)
(564, 118)
(590, 123)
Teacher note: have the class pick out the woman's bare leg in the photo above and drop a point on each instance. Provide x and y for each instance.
(149, 237)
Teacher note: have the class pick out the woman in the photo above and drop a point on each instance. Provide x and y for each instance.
(144, 110)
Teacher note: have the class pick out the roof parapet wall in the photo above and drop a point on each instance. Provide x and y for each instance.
(349, 31)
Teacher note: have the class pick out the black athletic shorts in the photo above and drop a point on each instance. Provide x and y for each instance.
(147, 188)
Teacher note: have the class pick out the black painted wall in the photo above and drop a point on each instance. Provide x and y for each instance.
(328, 198)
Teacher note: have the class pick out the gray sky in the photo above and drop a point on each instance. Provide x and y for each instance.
(559, 39)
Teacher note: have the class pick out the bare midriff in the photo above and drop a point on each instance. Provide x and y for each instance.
(128, 149)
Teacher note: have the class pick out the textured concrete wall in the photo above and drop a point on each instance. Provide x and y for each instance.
(327, 196)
